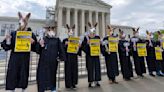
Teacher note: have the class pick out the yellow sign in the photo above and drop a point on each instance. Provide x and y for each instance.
(95, 47)
(113, 44)
(73, 45)
(163, 45)
(23, 42)
(141, 49)
(158, 53)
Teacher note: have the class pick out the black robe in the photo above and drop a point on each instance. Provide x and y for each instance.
(126, 64)
(71, 66)
(160, 62)
(139, 62)
(111, 62)
(48, 63)
(151, 59)
(18, 66)
(92, 62)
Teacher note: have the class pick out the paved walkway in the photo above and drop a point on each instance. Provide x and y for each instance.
(146, 84)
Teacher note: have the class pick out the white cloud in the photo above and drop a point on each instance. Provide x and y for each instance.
(117, 3)
(11, 7)
(44, 3)
(148, 14)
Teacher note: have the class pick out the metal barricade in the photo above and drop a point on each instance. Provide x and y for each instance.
(4, 57)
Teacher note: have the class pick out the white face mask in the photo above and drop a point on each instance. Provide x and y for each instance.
(151, 36)
(70, 33)
(123, 36)
(111, 33)
(137, 34)
(51, 33)
(92, 30)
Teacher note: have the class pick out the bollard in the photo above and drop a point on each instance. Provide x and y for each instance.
(6, 64)
(58, 78)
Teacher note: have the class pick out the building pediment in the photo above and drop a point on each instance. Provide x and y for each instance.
(97, 3)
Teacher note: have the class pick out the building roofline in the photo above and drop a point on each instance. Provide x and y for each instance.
(102, 2)
(15, 19)
(122, 26)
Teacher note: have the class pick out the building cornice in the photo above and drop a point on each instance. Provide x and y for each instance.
(13, 19)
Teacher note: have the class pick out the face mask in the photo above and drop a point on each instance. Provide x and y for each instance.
(151, 36)
(137, 34)
(70, 33)
(123, 36)
(93, 30)
(51, 33)
(111, 33)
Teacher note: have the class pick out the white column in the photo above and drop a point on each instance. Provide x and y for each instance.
(60, 20)
(82, 22)
(76, 21)
(97, 21)
(90, 17)
(103, 24)
(68, 12)
(108, 18)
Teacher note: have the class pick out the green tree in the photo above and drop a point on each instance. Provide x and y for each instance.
(156, 34)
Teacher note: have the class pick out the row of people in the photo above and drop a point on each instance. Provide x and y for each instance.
(52, 50)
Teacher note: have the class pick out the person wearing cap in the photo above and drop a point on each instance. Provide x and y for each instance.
(92, 62)
(50, 50)
(124, 57)
(111, 59)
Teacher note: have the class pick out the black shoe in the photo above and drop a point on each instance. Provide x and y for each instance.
(127, 79)
(68, 87)
(115, 82)
(160, 75)
(97, 84)
(90, 85)
(74, 87)
(152, 75)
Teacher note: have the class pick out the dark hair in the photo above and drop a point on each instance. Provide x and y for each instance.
(29, 29)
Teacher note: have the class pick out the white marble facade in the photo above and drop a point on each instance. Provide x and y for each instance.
(80, 12)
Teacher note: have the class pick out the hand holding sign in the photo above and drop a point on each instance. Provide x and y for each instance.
(41, 42)
(66, 43)
(32, 40)
(8, 37)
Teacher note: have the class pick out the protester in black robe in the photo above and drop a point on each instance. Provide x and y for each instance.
(92, 62)
(71, 64)
(151, 59)
(50, 50)
(111, 58)
(160, 63)
(124, 56)
(138, 61)
(18, 66)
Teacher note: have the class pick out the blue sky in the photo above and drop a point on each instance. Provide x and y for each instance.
(147, 14)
